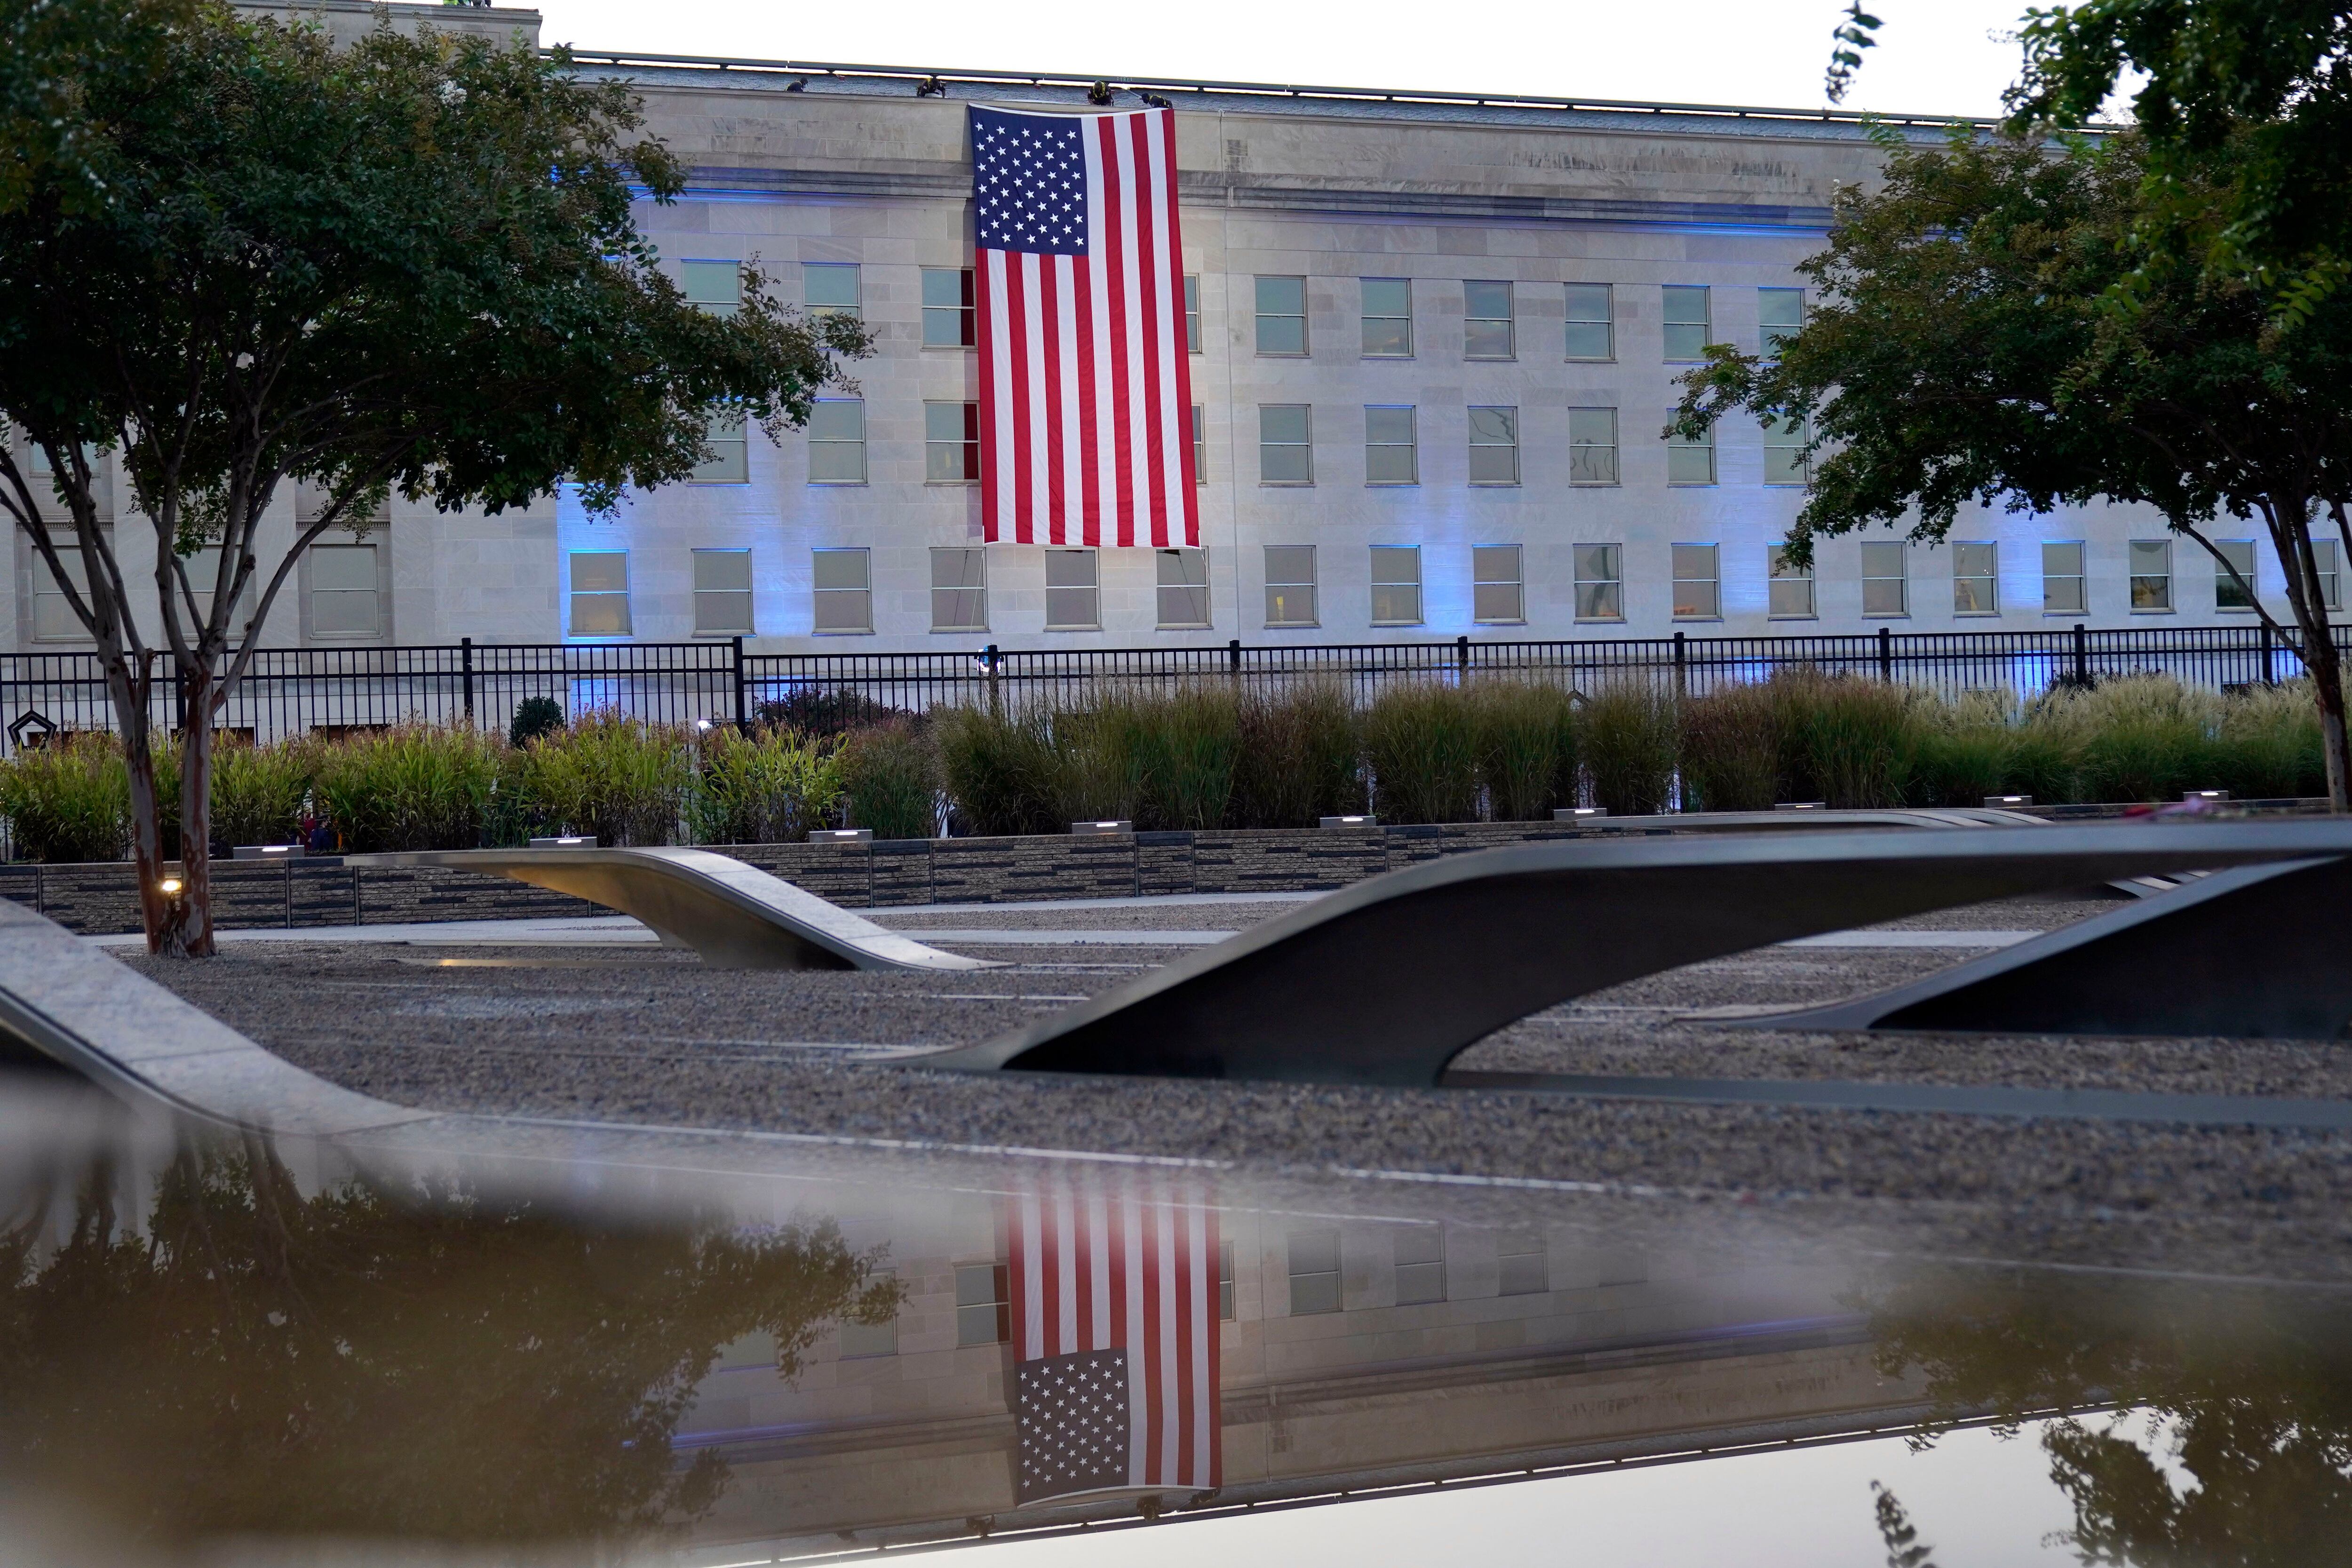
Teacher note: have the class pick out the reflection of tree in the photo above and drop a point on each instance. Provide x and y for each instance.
(365, 1362)
(2250, 1390)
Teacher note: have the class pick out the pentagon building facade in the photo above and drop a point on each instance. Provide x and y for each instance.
(1434, 343)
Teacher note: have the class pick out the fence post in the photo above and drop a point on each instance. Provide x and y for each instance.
(995, 699)
(2082, 656)
(1887, 655)
(742, 693)
(1682, 664)
(1462, 659)
(2269, 677)
(466, 657)
(1234, 656)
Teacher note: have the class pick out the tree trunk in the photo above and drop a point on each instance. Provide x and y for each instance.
(2327, 683)
(196, 818)
(159, 912)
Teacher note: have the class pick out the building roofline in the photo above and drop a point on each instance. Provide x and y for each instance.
(1204, 92)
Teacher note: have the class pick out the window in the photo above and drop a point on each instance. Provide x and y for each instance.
(1200, 433)
(1497, 591)
(949, 321)
(346, 591)
(1784, 452)
(1396, 585)
(1486, 321)
(1314, 1272)
(1073, 599)
(1779, 313)
(1976, 579)
(951, 443)
(53, 616)
(1699, 583)
(723, 592)
(2228, 593)
(1885, 586)
(844, 588)
(1282, 315)
(1690, 462)
(2062, 578)
(1290, 584)
(1687, 321)
(204, 569)
(1225, 1281)
(830, 288)
(871, 1339)
(1526, 1270)
(1494, 445)
(1391, 457)
(600, 592)
(2151, 573)
(960, 589)
(727, 437)
(1593, 446)
(1191, 312)
(1790, 595)
(1600, 582)
(714, 286)
(983, 1304)
(1284, 453)
(1591, 322)
(1420, 1265)
(1183, 587)
(836, 441)
(2323, 555)
(1388, 317)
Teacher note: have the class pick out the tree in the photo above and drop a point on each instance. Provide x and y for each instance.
(1966, 348)
(2269, 82)
(408, 265)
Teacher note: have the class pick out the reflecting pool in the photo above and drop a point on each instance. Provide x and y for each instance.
(217, 1346)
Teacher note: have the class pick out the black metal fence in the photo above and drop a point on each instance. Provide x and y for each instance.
(291, 690)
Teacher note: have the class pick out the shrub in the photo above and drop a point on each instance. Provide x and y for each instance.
(1188, 741)
(259, 792)
(1527, 748)
(69, 800)
(767, 787)
(1627, 732)
(1841, 738)
(414, 786)
(1000, 770)
(2269, 743)
(1731, 750)
(609, 775)
(2143, 737)
(1298, 757)
(1962, 752)
(1420, 745)
(891, 776)
(1099, 746)
(534, 717)
(817, 711)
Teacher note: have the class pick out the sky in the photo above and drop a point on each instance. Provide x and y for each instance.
(1935, 57)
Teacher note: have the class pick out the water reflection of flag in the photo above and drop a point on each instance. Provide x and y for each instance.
(1114, 1299)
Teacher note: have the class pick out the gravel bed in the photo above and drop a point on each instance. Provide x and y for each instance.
(651, 1037)
(1154, 917)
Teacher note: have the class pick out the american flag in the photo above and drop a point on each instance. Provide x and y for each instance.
(1113, 1304)
(1086, 393)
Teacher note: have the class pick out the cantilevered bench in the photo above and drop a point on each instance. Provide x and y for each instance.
(1386, 982)
(736, 916)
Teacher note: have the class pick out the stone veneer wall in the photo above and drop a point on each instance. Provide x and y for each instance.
(100, 898)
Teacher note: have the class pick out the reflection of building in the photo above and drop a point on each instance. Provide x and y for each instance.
(1353, 1354)
(1434, 346)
